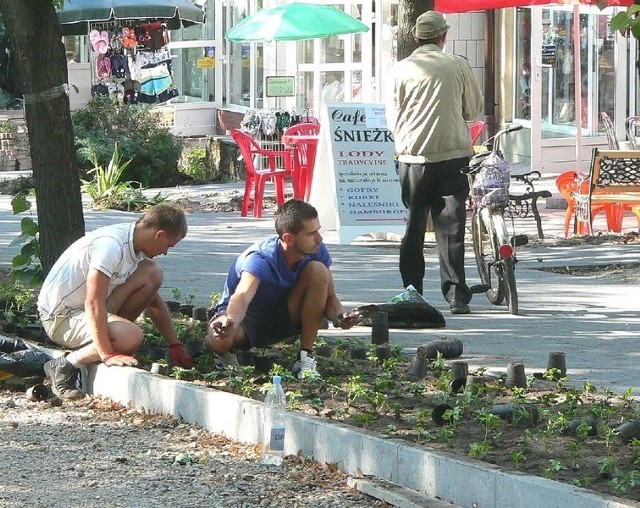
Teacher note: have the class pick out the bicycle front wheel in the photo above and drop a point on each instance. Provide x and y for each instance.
(481, 232)
(509, 279)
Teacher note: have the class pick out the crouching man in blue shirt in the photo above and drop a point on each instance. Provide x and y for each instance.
(279, 288)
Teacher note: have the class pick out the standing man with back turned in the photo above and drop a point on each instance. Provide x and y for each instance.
(431, 96)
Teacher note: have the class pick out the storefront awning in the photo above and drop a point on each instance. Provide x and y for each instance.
(75, 17)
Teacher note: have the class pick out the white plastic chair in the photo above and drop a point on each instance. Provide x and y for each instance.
(611, 131)
(630, 125)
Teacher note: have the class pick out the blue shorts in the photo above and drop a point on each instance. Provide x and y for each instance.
(265, 327)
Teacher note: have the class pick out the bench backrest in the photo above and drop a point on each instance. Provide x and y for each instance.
(615, 171)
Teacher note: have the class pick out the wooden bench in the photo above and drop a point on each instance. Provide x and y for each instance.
(614, 179)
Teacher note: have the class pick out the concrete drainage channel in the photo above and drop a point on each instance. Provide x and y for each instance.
(402, 474)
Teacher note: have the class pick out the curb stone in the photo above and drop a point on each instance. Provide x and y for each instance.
(356, 452)
(396, 495)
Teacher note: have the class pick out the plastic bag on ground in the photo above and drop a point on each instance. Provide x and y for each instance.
(409, 309)
(19, 358)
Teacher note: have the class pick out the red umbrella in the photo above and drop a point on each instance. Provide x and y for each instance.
(456, 6)
(450, 6)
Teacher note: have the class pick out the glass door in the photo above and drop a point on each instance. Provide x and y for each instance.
(573, 78)
(591, 81)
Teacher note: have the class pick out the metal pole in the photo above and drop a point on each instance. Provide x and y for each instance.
(577, 82)
(490, 71)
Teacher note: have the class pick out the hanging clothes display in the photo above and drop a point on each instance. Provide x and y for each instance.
(266, 127)
(131, 62)
(269, 124)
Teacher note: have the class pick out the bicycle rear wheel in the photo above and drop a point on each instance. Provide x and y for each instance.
(485, 261)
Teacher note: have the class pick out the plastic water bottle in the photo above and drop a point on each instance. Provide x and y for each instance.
(275, 407)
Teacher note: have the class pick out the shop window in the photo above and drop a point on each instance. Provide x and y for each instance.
(332, 50)
(304, 51)
(209, 27)
(332, 87)
(606, 82)
(245, 60)
(357, 48)
(191, 49)
(333, 47)
(191, 79)
(304, 91)
(389, 38)
(241, 63)
(238, 69)
(563, 82)
(315, 59)
(75, 48)
(356, 12)
(191, 33)
(558, 77)
(356, 80)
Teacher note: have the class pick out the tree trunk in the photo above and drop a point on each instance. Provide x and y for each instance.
(408, 13)
(35, 35)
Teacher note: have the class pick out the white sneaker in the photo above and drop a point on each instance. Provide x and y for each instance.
(228, 359)
(305, 366)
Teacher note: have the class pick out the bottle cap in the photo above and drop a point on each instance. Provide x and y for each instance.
(277, 380)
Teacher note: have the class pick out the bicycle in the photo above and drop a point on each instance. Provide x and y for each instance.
(493, 245)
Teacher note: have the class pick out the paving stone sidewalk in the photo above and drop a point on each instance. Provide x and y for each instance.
(594, 321)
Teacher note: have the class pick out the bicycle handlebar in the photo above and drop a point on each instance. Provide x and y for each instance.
(492, 141)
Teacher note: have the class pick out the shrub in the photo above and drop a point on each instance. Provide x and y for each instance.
(153, 150)
(27, 265)
(8, 127)
(22, 184)
(107, 190)
(194, 163)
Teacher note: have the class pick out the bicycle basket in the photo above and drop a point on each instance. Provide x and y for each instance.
(491, 182)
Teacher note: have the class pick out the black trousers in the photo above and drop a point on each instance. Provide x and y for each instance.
(440, 189)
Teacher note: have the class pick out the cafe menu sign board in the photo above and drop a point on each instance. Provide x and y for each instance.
(363, 180)
(280, 86)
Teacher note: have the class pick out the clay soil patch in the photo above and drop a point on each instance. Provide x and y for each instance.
(613, 272)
